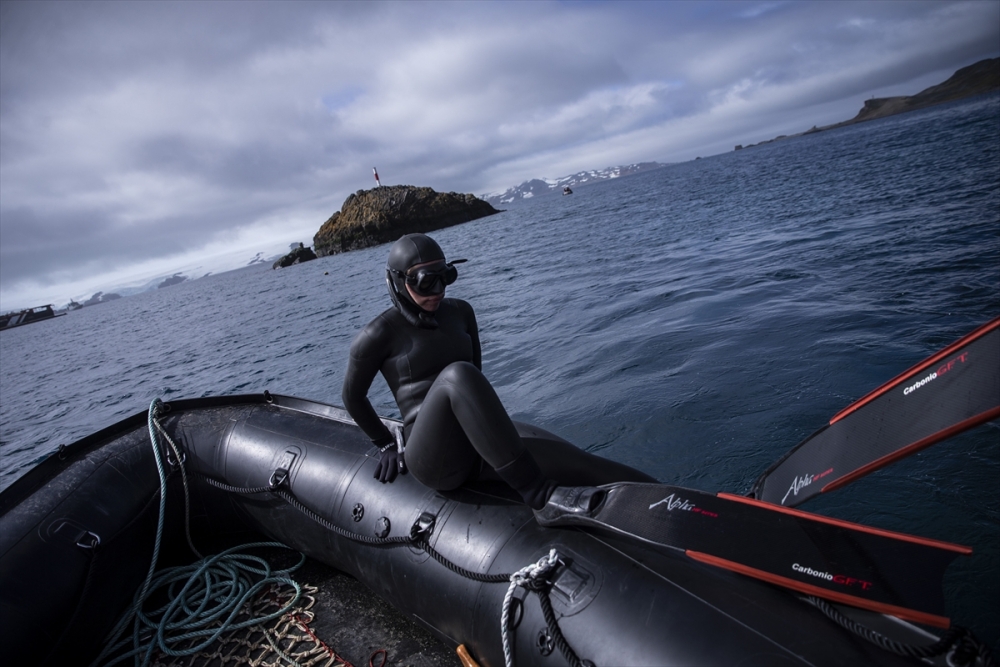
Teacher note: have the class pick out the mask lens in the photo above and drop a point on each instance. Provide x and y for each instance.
(429, 281)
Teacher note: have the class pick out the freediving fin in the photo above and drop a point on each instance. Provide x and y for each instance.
(888, 572)
(951, 391)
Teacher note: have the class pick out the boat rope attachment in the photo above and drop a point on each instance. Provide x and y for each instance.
(418, 538)
(960, 645)
(534, 577)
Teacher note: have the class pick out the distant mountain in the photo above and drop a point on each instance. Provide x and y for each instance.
(543, 186)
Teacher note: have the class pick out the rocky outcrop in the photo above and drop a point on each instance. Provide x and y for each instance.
(296, 256)
(373, 217)
(976, 79)
(981, 77)
(100, 297)
(175, 279)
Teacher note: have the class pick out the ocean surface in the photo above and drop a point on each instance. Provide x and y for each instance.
(695, 322)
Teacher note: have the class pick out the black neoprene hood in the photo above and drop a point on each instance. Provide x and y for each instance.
(413, 249)
(409, 251)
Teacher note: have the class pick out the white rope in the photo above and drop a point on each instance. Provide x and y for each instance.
(522, 577)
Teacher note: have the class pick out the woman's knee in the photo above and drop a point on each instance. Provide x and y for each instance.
(460, 373)
(460, 370)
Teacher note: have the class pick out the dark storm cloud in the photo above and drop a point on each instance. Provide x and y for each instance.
(140, 134)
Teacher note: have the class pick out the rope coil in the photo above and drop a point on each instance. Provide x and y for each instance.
(199, 595)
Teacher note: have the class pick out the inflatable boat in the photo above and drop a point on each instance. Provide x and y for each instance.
(77, 533)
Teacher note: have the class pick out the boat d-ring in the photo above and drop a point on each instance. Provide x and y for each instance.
(88, 540)
(423, 526)
(171, 462)
(278, 478)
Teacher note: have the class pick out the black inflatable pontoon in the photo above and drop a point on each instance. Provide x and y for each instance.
(77, 532)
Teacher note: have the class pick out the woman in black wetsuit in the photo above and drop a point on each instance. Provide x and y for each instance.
(427, 349)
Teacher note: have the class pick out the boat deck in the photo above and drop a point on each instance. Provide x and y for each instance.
(355, 623)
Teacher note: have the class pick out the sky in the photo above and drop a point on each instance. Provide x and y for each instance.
(141, 139)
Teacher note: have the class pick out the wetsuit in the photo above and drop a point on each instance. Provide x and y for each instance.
(452, 417)
(453, 420)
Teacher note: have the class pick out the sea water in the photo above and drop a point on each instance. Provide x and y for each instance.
(695, 322)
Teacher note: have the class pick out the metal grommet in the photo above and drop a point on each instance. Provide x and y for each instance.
(358, 512)
(267, 397)
(382, 527)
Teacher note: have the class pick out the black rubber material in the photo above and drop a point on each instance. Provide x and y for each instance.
(616, 602)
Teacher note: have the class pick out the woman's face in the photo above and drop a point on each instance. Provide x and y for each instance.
(428, 303)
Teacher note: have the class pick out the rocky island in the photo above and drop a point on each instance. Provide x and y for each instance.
(299, 253)
(383, 214)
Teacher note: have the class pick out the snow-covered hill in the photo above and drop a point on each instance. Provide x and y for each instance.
(543, 186)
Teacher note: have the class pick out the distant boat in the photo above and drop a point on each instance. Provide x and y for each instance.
(567, 191)
(36, 314)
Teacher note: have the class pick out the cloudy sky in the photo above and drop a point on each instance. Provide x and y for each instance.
(142, 138)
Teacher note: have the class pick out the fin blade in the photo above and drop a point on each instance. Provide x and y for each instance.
(953, 390)
(808, 589)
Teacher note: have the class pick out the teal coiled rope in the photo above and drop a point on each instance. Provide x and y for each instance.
(204, 598)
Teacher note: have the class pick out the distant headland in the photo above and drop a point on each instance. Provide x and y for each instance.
(383, 214)
(976, 79)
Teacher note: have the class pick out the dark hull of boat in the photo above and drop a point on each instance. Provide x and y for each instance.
(617, 603)
(24, 322)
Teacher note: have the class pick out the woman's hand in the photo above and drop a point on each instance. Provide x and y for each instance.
(390, 465)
